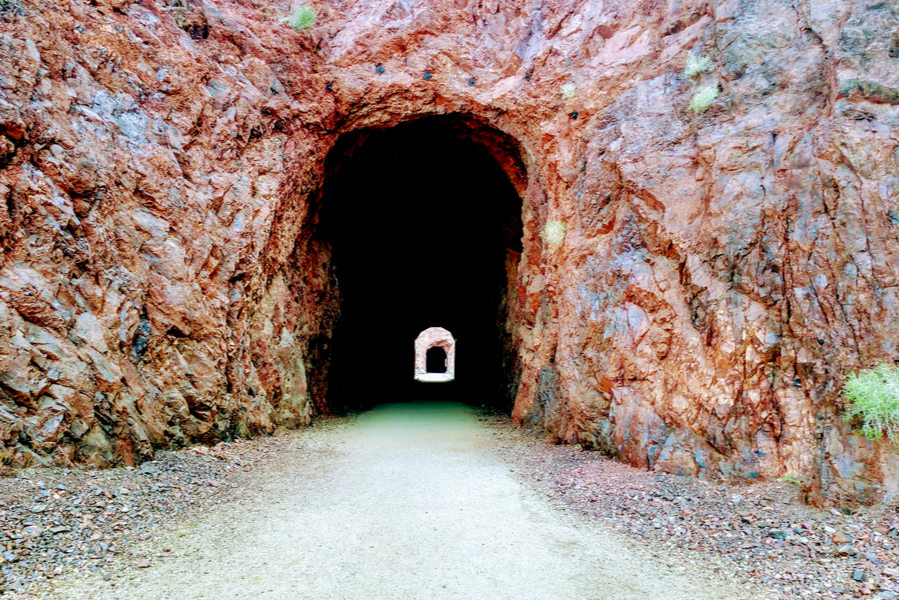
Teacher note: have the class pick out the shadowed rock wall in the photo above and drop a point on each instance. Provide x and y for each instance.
(718, 275)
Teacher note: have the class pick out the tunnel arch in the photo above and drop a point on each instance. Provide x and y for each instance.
(460, 182)
(506, 149)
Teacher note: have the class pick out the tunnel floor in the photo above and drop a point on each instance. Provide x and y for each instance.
(405, 501)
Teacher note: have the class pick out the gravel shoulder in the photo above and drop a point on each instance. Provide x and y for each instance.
(403, 502)
(755, 532)
(63, 523)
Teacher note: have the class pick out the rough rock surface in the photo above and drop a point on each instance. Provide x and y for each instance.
(719, 272)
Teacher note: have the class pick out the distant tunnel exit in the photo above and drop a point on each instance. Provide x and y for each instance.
(435, 355)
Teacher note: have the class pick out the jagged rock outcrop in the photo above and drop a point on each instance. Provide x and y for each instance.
(716, 273)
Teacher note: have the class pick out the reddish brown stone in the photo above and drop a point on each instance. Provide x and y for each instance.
(719, 273)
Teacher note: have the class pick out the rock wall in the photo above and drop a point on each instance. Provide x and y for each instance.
(714, 276)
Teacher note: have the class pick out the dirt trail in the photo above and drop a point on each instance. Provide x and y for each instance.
(406, 502)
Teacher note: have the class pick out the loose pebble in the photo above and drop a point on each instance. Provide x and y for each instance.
(95, 521)
(754, 530)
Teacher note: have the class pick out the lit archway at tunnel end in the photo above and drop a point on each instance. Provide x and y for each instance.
(435, 337)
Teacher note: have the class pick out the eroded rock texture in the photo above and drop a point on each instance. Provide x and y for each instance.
(160, 168)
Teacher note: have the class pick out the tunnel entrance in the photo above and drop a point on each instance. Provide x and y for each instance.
(424, 226)
(435, 360)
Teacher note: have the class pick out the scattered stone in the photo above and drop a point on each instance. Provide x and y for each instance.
(751, 529)
(86, 524)
(82, 517)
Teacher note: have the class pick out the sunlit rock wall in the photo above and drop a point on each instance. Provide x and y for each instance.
(720, 271)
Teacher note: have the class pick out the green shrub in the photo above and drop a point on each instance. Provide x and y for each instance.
(704, 97)
(696, 66)
(567, 91)
(554, 232)
(303, 17)
(873, 396)
(791, 479)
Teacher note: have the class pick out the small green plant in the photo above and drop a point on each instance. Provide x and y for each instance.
(873, 396)
(791, 479)
(567, 91)
(302, 18)
(695, 66)
(553, 233)
(703, 97)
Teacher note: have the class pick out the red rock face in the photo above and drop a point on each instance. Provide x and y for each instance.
(715, 276)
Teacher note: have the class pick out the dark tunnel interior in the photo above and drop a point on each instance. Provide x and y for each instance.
(436, 360)
(421, 220)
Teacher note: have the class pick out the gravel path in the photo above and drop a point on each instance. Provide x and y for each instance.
(404, 502)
